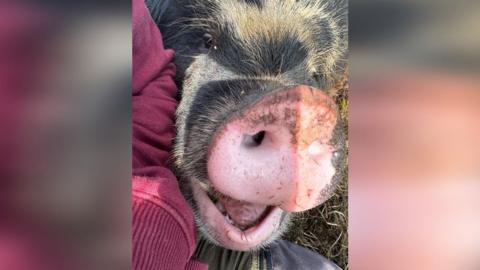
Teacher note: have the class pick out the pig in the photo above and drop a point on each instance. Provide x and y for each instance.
(259, 136)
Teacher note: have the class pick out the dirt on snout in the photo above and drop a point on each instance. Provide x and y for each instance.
(324, 228)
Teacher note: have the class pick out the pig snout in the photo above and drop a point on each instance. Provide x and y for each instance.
(278, 150)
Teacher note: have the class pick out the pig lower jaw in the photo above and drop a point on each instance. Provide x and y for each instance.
(215, 225)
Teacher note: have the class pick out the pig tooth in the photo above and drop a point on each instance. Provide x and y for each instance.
(229, 220)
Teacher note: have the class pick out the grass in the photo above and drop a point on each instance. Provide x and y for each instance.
(324, 228)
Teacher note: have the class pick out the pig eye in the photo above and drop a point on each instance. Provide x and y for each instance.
(254, 140)
(208, 41)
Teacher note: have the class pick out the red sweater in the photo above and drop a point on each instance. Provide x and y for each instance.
(163, 231)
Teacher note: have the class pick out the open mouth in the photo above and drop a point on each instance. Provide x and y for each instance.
(240, 214)
(236, 224)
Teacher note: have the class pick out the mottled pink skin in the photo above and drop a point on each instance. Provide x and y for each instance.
(294, 162)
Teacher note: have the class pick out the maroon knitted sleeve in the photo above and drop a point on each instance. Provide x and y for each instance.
(153, 95)
(163, 235)
(163, 231)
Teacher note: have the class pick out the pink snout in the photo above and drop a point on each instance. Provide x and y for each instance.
(277, 151)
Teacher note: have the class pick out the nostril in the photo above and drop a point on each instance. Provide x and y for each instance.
(258, 138)
(254, 140)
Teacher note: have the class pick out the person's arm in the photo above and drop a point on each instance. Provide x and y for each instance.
(163, 232)
(153, 96)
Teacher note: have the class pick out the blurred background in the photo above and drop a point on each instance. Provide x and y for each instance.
(65, 151)
(414, 125)
(414, 122)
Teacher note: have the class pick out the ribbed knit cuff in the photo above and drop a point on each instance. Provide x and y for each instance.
(163, 231)
(158, 239)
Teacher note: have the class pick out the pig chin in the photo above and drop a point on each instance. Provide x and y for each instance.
(259, 227)
(267, 160)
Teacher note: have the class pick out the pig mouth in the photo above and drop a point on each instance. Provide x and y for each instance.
(240, 214)
(236, 224)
